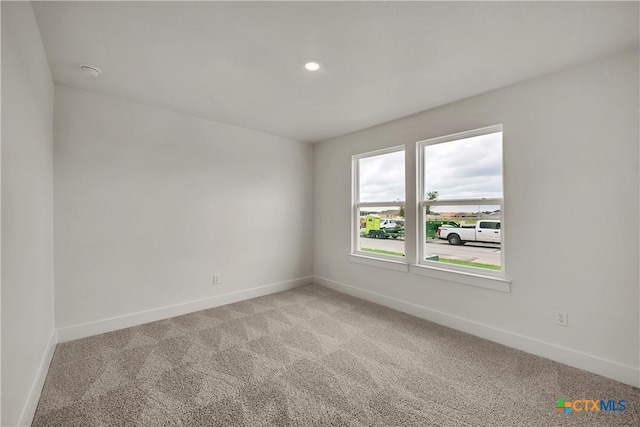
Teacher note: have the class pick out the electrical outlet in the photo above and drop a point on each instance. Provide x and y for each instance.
(561, 318)
(216, 279)
(327, 267)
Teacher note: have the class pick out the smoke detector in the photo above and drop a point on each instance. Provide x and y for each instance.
(90, 70)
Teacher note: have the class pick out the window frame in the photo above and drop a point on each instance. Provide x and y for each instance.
(364, 257)
(422, 203)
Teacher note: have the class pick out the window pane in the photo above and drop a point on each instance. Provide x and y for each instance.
(464, 235)
(489, 225)
(382, 177)
(381, 231)
(464, 169)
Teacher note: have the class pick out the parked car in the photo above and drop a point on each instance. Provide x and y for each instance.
(487, 231)
(388, 223)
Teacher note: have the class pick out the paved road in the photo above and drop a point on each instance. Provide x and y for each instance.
(488, 253)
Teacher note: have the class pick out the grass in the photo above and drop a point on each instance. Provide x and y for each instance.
(382, 251)
(449, 260)
(470, 263)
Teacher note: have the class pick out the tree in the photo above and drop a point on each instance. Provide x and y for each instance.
(431, 195)
(401, 212)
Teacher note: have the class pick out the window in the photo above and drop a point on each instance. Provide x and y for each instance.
(378, 208)
(458, 230)
(460, 202)
(490, 225)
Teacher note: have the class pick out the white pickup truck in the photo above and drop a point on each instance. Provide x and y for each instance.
(487, 231)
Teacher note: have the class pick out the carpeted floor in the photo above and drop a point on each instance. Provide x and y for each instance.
(312, 357)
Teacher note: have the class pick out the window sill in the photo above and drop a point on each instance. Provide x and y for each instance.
(380, 262)
(488, 282)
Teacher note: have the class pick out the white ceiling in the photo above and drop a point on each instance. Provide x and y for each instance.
(241, 63)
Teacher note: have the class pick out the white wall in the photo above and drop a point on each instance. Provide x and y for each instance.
(27, 213)
(151, 203)
(571, 210)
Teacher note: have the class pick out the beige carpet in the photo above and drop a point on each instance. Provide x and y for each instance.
(312, 357)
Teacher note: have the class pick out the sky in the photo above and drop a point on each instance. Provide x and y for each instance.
(382, 178)
(465, 168)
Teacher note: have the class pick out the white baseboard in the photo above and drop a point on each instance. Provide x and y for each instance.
(607, 368)
(75, 332)
(30, 406)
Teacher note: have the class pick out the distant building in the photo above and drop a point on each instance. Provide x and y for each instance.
(388, 214)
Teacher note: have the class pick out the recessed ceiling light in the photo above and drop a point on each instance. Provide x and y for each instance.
(90, 70)
(312, 65)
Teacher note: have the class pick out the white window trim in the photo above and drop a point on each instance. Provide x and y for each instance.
(466, 278)
(363, 257)
(389, 264)
(485, 278)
